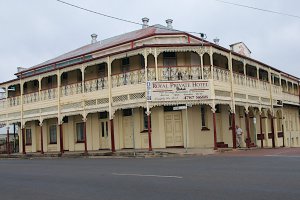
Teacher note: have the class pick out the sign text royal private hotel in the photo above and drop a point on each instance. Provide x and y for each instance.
(178, 90)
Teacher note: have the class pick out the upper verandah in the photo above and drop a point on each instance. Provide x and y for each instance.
(84, 54)
(134, 36)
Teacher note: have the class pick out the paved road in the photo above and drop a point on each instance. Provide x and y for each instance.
(258, 174)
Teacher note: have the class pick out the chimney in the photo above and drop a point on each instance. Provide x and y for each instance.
(216, 41)
(169, 23)
(94, 38)
(145, 21)
(19, 69)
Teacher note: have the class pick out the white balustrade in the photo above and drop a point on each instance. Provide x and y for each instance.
(239, 79)
(221, 74)
(251, 82)
(206, 72)
(264, 85)
(71, 89)
(128, 78)
(48, 94)
(290, 98)
(31, 97)
(96, 84)
(151, 74)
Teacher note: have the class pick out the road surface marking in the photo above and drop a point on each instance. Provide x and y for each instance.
(146, 175)
(283, 156)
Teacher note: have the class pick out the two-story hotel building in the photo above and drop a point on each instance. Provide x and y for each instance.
(151, 88)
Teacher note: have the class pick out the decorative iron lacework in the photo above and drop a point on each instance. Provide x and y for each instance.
(120, 98)
(140, 95)
(102, 101)
(90, 102)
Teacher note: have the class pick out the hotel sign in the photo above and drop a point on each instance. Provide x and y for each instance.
(178, 90)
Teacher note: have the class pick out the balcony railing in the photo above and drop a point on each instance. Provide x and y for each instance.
(291, 98)
(72, 89)
(222, 75)
(14, 101)
(48, 94)
(193, 72)
(128, 78)
(165, 73)
(31, 97)
(95, 84)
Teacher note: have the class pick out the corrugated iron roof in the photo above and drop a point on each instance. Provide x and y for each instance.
(126, 37)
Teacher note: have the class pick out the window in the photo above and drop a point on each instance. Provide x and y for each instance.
(203, 118)
(28, 137)
(79, 132)
(53, 134)
(145, 120)
(127, 112)
(104, 129)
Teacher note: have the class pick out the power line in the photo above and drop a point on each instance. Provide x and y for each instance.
(202, 35)
(260, 9)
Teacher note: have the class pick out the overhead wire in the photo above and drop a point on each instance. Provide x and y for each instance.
(202, 35)
(260, 9)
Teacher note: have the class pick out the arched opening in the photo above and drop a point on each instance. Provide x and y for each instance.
(263, 75)
(95, 77)
(251, 71)
(14, 90)
(31, 87)
(128, 70)
(237, 66)
(284, 85)
(71, 77)
(49, 82)
(220, 61)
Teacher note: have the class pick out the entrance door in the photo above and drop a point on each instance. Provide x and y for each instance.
(219, 127)
(127, 131)
(173, 129)
(104, 140)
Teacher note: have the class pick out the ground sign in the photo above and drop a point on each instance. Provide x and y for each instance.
(178, 90)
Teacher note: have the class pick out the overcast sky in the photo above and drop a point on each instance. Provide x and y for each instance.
(34, 31)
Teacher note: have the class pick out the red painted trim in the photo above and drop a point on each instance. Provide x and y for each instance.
(23, 141)
(42, 145)
(261, 132)
(189, 39)
(131, 44)
(61, 144)
(273, 132)
(84, 135)
(283, 138)
(149, 132)
(233, 131)
(115, 45)
(7, 142)
(215, 131)
(248, 139)
(112, 135)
